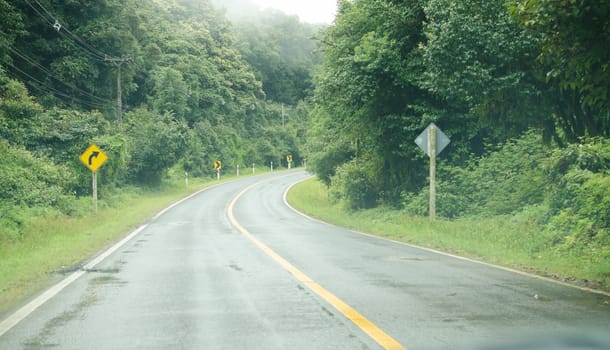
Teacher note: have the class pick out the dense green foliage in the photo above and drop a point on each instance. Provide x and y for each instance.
(392, 67)
(282, 54)
(574, 36)
(520, 87)
(195, 88)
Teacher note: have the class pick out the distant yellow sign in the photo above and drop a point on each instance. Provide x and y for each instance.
(93, 157)
(217, 165)
(289, 158)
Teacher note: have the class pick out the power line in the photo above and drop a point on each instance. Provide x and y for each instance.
(50, 74)
(83, 45)
(51, 90)
(80, 43)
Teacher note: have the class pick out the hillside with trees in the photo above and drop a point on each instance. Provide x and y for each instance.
(521, 88)
(194, 88)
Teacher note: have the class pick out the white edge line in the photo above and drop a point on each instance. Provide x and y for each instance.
(12, 320)
(518, 272)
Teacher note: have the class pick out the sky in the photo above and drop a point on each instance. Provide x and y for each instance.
(312, 11)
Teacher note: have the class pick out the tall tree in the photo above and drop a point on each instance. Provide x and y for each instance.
(282, 51)
(575, 36)
(574, 41)
(477, 58)
(370, 86)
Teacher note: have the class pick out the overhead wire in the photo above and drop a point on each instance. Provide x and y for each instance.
(60, 28)
(50, 74)
(45, 88)
(77, 42)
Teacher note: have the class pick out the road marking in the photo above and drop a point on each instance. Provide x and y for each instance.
(358, 319)
(479, 262)
(26, 310)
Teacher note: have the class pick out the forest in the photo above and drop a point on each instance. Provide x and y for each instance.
(160, 86)
(520, 87)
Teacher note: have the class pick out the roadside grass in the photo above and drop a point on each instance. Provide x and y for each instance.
(512, 241)
(53, 244)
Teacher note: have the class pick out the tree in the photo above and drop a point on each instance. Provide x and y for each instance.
(282, 52)
(156, 143)
(369, 92)
(575, 36)
(478, 60)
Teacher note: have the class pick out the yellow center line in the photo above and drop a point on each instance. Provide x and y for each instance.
(358, 319)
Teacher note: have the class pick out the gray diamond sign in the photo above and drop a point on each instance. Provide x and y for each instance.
(441, 140)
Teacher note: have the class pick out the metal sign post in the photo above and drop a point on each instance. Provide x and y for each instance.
(217, 167)
(432, 141)
(94, 185)
(93, 158)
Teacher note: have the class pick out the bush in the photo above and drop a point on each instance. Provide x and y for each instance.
(450, 200)
(29, 181)
(156, 143)
(579, 195)
(355, 183)
(502, 182)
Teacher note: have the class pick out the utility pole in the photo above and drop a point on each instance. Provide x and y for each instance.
(118, 61)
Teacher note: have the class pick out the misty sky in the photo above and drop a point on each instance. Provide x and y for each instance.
(312, 11)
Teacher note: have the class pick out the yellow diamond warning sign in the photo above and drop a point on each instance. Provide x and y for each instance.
(93, 157)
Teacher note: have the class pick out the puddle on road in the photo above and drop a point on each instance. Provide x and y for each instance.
(43, 340)
(106, 280)
(404, 259)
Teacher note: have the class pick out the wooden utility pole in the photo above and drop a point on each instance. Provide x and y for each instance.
(118, 61)
(432, 141)
(432, 152)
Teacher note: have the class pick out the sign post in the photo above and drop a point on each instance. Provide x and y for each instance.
(93, 158)
(432, 141)
(289, 160)
(432, 154)
(217, 167)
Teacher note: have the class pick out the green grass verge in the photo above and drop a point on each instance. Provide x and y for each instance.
(52, 244)
(511, 241)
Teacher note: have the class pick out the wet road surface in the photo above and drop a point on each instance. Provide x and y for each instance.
(224, 270)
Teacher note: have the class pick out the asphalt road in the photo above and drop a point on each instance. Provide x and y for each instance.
(235, 268)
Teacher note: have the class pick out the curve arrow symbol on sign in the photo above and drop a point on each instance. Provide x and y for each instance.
(93, 155)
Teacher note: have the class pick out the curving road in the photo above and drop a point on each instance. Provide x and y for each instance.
(235, 268)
